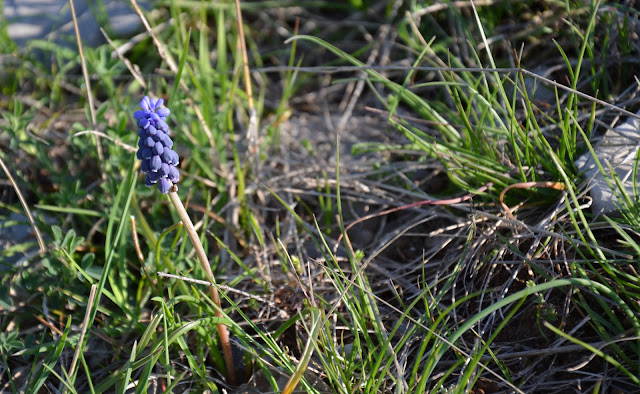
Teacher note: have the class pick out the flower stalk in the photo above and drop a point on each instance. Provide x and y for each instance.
(213, 290)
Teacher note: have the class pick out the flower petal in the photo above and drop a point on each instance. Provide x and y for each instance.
(163, 112)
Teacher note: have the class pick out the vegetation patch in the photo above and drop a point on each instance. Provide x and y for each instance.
(370, 196)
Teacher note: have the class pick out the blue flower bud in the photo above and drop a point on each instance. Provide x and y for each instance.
(164, 185)
(175, 159)
(167, 142)
(144, 166)
(159, 161)
(151, 178)
(158, 148)
(144, 123)
(162, 125)
(146, 153)
(145, 104)
(174, 175)
(155, 163)
(163, 170)
(165, 139)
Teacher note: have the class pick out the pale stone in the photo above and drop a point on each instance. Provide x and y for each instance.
(51, 20)
(617, 150)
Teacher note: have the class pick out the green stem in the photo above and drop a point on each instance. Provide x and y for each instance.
(213, 290)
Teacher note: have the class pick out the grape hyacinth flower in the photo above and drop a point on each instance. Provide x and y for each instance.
(159, 163)
(154, 147)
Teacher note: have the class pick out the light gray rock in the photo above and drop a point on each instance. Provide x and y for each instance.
(51, 20)
(617, 150)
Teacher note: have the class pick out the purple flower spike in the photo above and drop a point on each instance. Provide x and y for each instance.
(158, 160)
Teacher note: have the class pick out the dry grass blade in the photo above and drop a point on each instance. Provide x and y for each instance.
(224, 287)
(136, 242)
(43, 248)
(127, 147)
(124, 60)
(252, 130)
(85, 325)
(87, 82)
(457, 4)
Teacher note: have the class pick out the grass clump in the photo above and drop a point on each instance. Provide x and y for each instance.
(389, 202)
